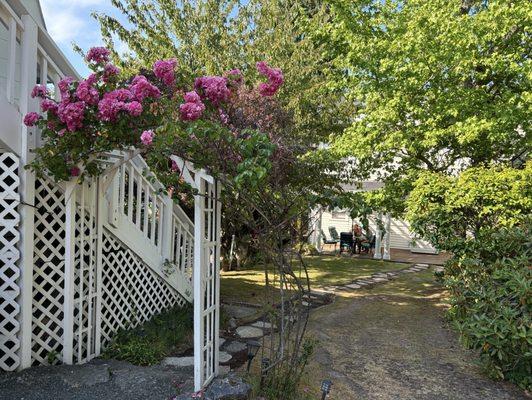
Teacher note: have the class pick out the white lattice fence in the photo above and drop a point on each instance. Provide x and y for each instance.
(9, 255)
(131, 292)
(48, 273)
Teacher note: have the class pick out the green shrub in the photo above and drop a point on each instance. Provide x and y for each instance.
(148, 343)
(491, 295)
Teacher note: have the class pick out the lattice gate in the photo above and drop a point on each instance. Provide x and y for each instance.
(206, 271)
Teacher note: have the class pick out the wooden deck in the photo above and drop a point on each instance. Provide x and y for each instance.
(400, 255)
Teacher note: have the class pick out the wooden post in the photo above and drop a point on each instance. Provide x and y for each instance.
(12, 59)
(28, 79)
(100, 199)
(68, 294)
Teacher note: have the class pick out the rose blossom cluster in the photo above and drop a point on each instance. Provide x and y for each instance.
(192, 108)
(39, 91)
(164, 70)
(275, 79)
(147, 137)
(213, 88)
(141, 88)
(98, 55)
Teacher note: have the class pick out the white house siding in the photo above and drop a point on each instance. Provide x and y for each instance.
(400, 235)
(4, 52)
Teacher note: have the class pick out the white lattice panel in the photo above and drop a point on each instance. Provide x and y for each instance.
(48, 273)
(131, 292)
(85, 273)
(9, 255)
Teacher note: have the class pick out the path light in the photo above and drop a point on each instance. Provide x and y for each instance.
(264, 365)
(253, 348)
(325, 388)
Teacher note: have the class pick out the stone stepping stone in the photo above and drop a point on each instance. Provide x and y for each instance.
(222, 341)
(305, 303)
(354, 286)
(249, 332)
(380, 279)
(179, 361)
(235, 347)
(425, 266)
(224, 357)
(262, 324)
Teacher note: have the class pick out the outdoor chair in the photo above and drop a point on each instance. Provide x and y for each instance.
(346, 241)
(369, 246)
(329, 241)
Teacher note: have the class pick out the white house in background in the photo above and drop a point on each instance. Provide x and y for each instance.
(80, 261)
(398, 234)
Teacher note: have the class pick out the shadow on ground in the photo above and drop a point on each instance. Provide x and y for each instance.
(391, 342)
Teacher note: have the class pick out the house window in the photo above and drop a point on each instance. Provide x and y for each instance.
(338, 214)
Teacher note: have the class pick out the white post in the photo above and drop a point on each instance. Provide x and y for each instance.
(199, 234)
(68, 295)
(27, 185)
(167, 234)
(386, 254)
(319, 244)
(378, 235)
(100, 199)
(12, 59)
(217, 228)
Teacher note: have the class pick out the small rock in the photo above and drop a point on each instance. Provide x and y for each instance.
(353, 286)
(249, 332)
(262, 324)
(224, 357)
(235, 347)
(232, 323)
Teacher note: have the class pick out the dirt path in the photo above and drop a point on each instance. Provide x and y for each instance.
(391, 342)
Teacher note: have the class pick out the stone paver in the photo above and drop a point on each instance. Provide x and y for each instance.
(179, 361)
(249, 332)
(224, 357)
(262, 324)
(235, 347)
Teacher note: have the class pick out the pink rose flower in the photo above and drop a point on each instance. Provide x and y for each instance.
(174, 167)
(39, 91)
(98, 55)
(213, 88)
(110, 70)
(75, 171)
(275, 79)
(134, 108)
(64, 87)
(31, 118)
(72, 114)
(164, 70)
(141, 88)
(49, 105)
(193, 107)
(147, 137)
(85, 92)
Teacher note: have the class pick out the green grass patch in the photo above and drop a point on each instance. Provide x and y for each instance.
(170, 332)
(248, 285)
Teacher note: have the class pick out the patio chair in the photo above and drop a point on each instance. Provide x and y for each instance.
(334, 233)
(346, 242)
(329, 241)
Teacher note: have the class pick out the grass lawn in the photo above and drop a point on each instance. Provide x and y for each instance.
(248, 285)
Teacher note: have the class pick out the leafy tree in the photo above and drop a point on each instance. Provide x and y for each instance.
(434, 85)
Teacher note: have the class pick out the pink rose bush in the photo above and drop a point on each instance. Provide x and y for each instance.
(275, 79)
(105, 112)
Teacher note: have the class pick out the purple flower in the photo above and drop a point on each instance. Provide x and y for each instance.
(98, 55)
(147, 137)
(275, 79)
(141, 88)
(72, 114)
(61, 133)
(85, 92)
(192, 97)
(224, 118)
(134, 108)
(31, 118)
(39, 91)
(213, 88)
(49, 105)
(109, 70)
(164, 70)
(192, 108)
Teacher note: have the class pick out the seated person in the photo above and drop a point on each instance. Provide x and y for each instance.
(358, 238)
